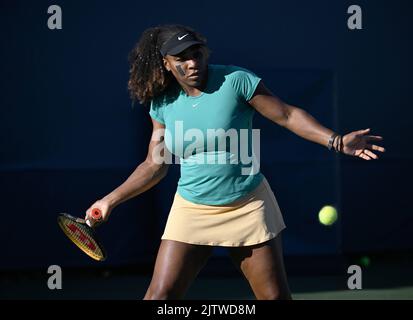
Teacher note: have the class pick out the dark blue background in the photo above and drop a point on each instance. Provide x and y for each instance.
(69, 133)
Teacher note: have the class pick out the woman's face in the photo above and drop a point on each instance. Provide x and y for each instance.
(189, 67)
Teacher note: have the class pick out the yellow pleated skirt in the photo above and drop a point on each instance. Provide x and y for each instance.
(253, 219)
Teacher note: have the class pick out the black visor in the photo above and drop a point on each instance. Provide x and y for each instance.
(179, 42)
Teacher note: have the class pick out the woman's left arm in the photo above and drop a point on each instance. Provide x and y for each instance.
(356, 143)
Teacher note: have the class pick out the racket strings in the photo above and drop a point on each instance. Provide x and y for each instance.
(83, 237)
(81, 234)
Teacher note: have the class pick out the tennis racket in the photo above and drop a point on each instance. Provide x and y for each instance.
(82, 235)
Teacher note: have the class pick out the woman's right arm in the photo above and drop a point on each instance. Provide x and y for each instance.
(145, 176)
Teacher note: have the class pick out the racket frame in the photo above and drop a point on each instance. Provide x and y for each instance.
(78, 243)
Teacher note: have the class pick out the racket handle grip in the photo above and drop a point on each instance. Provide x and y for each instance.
(96, 214)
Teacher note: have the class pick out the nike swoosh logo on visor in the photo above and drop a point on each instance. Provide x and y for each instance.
(180, 38)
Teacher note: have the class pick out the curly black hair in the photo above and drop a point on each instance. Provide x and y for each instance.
(148, 78)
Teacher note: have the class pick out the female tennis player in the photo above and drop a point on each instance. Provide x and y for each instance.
(221, 199)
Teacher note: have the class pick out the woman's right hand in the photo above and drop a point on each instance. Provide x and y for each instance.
(104, 207)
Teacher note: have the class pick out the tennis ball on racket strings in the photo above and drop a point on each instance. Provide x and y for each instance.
(327, 215)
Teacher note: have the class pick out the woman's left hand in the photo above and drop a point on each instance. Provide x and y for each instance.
(360, 144)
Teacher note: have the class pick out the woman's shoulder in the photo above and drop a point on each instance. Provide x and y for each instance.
(228, 68)
(168, 97)
(231, 71)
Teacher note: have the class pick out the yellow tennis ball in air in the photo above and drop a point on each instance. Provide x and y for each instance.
(327, 215)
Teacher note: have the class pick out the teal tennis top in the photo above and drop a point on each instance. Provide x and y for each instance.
(211, 135)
